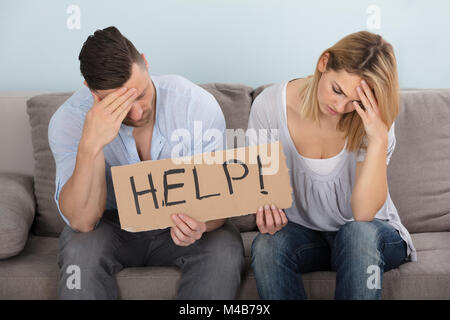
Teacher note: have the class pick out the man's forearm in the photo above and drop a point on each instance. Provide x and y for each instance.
(370, 191)
(83, 198)
(214, 224)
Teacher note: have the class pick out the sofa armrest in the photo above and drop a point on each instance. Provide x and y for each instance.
(17, 210)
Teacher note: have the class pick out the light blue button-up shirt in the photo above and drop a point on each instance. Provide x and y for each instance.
(179, 104)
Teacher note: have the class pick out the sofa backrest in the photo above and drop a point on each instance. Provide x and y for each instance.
(419, 170)
(16, 154)
(40, 110)
(418, 175)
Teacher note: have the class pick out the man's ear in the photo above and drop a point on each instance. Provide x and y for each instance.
(145, 60)
(94, 95)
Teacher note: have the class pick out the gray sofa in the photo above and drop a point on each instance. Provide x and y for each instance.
(419, 183)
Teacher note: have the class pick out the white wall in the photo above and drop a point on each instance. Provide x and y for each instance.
(242, 41)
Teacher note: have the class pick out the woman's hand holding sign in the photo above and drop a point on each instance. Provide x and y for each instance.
(270, 219)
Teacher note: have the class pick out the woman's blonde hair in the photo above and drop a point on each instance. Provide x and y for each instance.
(370, 57)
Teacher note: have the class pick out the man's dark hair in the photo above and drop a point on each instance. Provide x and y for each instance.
(106, 59)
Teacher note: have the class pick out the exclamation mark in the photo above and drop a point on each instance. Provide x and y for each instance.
(261, 180)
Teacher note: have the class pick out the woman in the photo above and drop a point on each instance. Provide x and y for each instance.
(337, 132)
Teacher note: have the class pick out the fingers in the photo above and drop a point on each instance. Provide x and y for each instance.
(276, 216)
(284, 220)
(128, 97)
(367, 97)
(122, 115)
(113, 96)
(187, 230)
(360, 111)
(177, 236)
(124, 107)
(370, 95)
(117, 102)
(364, 99)
(270, 219)
(192, 223)
(260, 220)
(279, 218)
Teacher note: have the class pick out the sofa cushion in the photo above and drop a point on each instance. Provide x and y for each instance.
(34, 274)
(235, 101)
(17, 208)
(40, 109)
(418, 173)
(259, 89)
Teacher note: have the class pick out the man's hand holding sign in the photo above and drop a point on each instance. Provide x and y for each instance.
(150, 194)
(186, 230)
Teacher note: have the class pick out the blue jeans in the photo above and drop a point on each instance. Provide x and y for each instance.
(359, 252)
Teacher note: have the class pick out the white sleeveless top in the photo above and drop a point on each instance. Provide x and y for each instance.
(324, 166)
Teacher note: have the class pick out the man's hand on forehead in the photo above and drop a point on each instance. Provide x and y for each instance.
(104, 93)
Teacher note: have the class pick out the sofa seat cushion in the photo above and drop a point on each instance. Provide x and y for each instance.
(34, 273)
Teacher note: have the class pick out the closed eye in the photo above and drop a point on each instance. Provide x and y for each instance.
(359, 102)
(335, 91)
(141, 95)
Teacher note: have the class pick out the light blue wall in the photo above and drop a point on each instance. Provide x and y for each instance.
(252, 42)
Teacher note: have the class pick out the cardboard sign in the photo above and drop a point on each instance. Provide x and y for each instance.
(205, 186)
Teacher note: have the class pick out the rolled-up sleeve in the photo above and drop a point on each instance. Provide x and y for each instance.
(207, 124)
(64, 133)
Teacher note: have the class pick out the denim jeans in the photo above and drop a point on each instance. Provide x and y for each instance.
(210, 268)
(359, 253)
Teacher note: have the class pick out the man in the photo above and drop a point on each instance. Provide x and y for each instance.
(124, 116)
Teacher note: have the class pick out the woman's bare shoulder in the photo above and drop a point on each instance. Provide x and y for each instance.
(293, 93)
